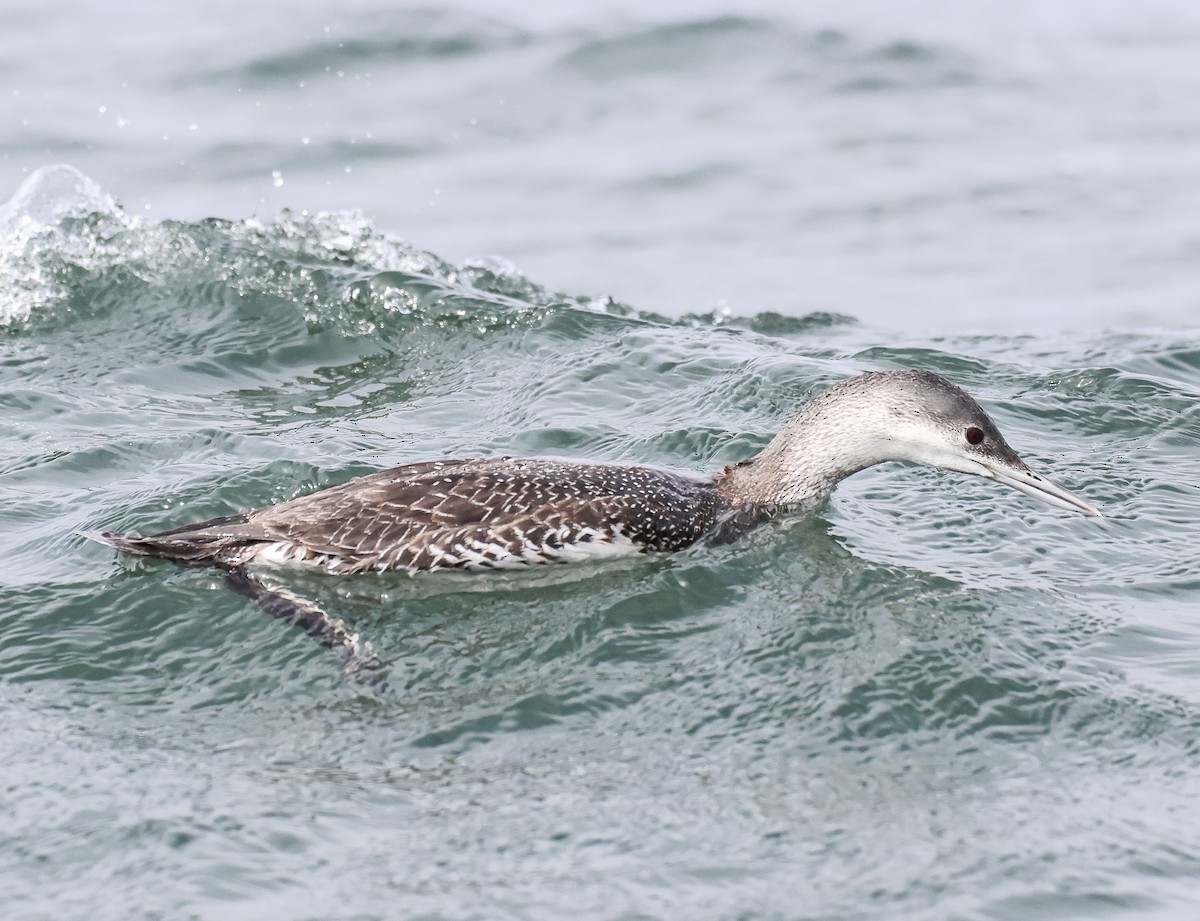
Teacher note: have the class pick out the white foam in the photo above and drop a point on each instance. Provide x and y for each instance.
(35, 238)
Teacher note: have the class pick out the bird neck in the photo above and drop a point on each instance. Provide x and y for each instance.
(801, 466)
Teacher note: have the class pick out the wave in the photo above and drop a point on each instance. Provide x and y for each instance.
(832, 59)
(370, 40)
(61, 231)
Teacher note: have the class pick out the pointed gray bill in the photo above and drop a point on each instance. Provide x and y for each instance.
(1039, 487)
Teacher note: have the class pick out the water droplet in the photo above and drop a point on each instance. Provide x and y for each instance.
(276, 178)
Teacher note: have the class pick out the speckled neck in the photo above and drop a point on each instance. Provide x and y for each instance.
(796, 469)
(839, 432)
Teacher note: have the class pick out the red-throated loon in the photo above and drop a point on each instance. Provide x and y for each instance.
(504, 513)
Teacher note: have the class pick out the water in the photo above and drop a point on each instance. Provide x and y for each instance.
(936, 699)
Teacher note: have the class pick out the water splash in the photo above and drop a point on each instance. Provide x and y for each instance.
(57, 218)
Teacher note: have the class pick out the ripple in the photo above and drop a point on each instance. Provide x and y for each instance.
(404, 37)
(867, 693)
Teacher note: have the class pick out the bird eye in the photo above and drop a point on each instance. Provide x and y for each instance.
(974, 435)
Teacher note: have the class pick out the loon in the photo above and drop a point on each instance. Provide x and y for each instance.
(504, 513)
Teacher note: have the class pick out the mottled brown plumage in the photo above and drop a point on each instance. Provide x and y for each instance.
(457, 514)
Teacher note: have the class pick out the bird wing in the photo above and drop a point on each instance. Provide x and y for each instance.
(485, 513)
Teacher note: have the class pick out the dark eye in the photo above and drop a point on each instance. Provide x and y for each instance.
(974, 435)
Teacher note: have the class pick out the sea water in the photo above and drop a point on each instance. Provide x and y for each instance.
(254, 250)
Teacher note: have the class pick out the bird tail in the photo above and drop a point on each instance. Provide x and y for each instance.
(196, 545)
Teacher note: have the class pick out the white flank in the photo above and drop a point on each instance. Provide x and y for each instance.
(477, 557)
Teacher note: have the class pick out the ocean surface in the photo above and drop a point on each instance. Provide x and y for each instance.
(251, 250)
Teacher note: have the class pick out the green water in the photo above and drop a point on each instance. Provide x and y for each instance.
(937, 698)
